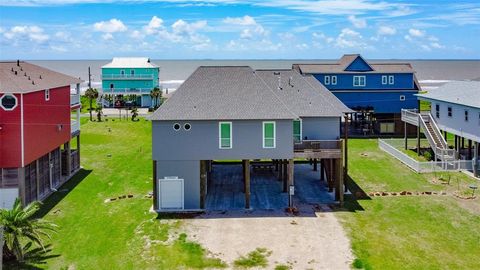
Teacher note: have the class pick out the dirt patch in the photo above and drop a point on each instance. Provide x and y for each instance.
(315, 241)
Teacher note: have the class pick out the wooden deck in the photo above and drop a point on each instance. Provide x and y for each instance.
(225, 188)
(318, 149)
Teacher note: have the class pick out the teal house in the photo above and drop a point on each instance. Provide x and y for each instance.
(128, 81)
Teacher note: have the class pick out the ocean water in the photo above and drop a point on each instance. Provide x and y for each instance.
(430, 73)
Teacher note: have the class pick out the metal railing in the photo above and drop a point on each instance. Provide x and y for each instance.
(317, 145)
(425, 166)
(74, 126)
(126, 90)
(74, 99)
(128, 76)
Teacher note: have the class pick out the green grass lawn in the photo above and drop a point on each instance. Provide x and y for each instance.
(123, 234)
(435, 232)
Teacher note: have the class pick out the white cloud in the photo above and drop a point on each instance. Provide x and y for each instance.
(250, 29)
(32, 33)
(245, 20)
(112, 26)
(357, 22)
(386, 31)
(153, 26)
(136, 34)
(107, 36)
(302, 46)
(349, 38)
(416, 32)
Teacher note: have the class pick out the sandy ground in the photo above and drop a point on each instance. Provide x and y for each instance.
(313, 241)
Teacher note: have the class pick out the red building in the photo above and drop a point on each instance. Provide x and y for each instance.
(39, 131)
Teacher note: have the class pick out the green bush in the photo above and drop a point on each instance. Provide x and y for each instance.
(427, 155)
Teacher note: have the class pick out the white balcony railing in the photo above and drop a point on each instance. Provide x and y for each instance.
(127, 76)
(74, 99)
(74, 126)
(126, 90)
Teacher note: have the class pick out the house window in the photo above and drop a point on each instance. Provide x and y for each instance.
(327, 80)
(384, 79)
(268, 134)
(391, 79)
(225, 135)
(387, 127)
(297, 130)
(187, 127)
(437, 110)
(122, 72)
(47, 94)
(449, 111)
(176, 126)
(334, 80)
(132, 72)
(402, 98)
(359, 81)
(8, 178)
(111, 86)
(8, 102)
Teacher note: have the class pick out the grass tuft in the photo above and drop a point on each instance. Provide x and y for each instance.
(256, 258)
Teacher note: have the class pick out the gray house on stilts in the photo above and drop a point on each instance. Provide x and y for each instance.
(267, 117)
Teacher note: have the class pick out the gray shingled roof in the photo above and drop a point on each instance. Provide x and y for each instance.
(28, 78)
(223, 93)
(459, 92)
(304, 95)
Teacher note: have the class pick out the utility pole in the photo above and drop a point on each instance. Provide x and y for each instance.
(89, 78)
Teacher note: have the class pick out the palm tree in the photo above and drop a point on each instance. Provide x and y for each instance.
(91, 94)
(19, 226)
(156, 95)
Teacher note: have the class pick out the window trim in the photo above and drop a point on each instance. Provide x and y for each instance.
(274, 135)
(359, 81)
(47, 94)
(326, 80)
(402, 98)
(466, 116)
(301, 131)
(220, 135)
(334, 80)
(384, 79)
(437, 110)
(391, 79)
(179, 126)
(184, 126)
(449, 111)
(9, 95)
(132, 72)
(122, 72)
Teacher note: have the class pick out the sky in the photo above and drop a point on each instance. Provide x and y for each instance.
(239, 29)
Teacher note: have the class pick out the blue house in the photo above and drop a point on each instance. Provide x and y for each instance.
(377, 92)
(128, 81)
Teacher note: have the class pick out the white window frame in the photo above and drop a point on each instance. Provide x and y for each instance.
(274, 135)
(334, 80)
(47, 94)
(10, 95)
(220, 135)
(326, 79)
(122, 72)
(384, 79)
(450, 111)
(391, 79)
(301, 128)
(402, 97)
(359, 81)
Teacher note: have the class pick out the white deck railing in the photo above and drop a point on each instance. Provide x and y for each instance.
(74, 99)
(425, 166)
(126, 90)
(128, 76)
(74, 126)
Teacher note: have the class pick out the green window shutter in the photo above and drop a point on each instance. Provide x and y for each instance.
(269, 134)
(225, 135)
(297, 131)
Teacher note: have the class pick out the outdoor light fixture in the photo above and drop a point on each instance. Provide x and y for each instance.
(59, 127)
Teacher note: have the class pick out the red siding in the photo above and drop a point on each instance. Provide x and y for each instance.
(41, 121)
(10, 145)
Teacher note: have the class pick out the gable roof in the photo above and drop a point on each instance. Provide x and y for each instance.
(465, 93)
(223, 93)
(130, 62)
(342, 66)
(30, 78)
(304, 95)
(356, 58)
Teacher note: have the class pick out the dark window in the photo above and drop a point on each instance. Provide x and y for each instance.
(187, 126)
(466, 116)
(437, 110)
(449, 111)
(176, 126)
(111, 86)
(9, 102)
(8, 178)
(132, 72)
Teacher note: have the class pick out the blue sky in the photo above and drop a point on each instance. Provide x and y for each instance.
(239, 29)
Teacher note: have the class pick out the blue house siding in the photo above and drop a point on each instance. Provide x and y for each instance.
(372, 81)
(382, 102)
(358, 65)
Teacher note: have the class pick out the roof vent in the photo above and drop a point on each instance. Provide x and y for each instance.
(290, 81)
(18, 63)
(25, 74)
(279, 82)
(40, 77)
(29, 78)
(33, 82)
(15, 72)
(276, 73)
(12, 69)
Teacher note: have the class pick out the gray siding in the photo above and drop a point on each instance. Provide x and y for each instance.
(456, 124)
(201, 142)
(321, 128)
(189, 171)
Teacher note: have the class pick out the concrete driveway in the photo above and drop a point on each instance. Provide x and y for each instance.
(315, 240)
